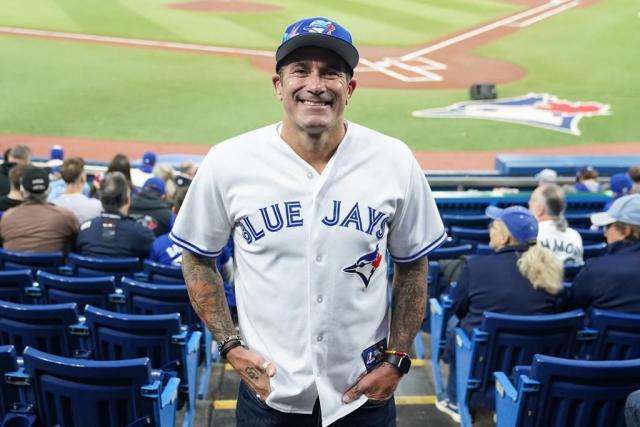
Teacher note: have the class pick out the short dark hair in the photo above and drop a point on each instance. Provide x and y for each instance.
(15, 176)
(114, 191)
(72, 169)
(120, 163)
(290, 58)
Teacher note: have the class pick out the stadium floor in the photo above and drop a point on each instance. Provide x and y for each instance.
(415, 399)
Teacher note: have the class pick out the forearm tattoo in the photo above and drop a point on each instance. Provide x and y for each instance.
(206, 292)
(252, 373)
(408, 303)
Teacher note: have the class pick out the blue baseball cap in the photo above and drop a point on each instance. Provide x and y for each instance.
(154, 184)
(319, 32)
(620, 183)
(625, 209)
(519, 221)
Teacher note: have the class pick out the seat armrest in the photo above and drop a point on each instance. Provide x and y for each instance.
(193, 344)
(506, 401)
(65, 270)
(18, 378)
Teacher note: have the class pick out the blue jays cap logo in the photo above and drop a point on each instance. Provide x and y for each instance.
(365, 266)
(317, 26)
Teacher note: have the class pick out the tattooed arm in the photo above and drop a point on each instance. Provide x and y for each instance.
(407, 312)
(206, 292)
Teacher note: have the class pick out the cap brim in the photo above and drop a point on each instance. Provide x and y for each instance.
(340, 47)
(493, 212)
(602, 218)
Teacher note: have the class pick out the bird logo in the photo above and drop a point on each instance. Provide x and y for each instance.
(365, 266)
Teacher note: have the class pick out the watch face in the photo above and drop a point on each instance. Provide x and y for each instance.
(405, 364)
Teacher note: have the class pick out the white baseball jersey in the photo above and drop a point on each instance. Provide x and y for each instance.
(310, 249)
(566, 245)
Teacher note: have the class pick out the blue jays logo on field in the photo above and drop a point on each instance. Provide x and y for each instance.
(534, 109)
(365, 266)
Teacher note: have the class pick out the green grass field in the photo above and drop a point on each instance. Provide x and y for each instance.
(67, 88)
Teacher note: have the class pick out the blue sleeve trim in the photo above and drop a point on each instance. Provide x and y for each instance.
(191, 247)
(423, 252)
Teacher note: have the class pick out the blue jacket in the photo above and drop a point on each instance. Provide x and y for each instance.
(494, 283)
(611, 281)
(114, 235)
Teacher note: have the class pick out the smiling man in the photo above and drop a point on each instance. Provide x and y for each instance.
(313, 204)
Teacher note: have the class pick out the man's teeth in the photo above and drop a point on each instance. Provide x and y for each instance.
(315, 103)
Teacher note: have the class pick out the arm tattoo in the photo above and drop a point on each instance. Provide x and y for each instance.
(206, 292)
(408, 303)
(251, 373)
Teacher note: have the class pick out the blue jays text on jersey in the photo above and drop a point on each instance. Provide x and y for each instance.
(289, 214)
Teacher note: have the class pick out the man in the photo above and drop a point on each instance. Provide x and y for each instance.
(587, 180)
(149, 207)
(312, 204)
(113, 233)
(548, 204)
(75, 179)
(610, 282)
(140, 175)
(634, 174)
(36, 225)
(18, 155)
(185, 174)
(14, 198)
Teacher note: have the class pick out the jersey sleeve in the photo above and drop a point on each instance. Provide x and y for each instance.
(416, 228)
(202, 225)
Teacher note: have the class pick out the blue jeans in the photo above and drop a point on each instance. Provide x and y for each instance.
(632, 409)
(252, 412)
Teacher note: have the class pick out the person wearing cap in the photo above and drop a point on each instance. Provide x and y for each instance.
(141, 174)
(185, 175)
(546, 176)
(548, 204)
(18, 155)
(36, 225)
(54, 165)
(521, 278)
(14, 198)
(313, 204)
(610, 281)
(113, 233)
(587, 180)
(149, 208)
(75, 179)
(620, 185)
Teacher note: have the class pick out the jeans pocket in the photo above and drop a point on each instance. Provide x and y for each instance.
(373, 403)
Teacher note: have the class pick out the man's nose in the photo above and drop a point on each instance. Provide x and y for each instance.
(315, 82)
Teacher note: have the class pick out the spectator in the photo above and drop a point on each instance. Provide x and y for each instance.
(620, 185)
(186, 173)
(521, 277)
(548, 204)
(610, 282)
(14, 198)
(149, 208)
(113, 233)
(120, 163)
(546, 176)
(56, 183)
(634, 174)
(75, 179)
(587, 180)
(164, 171)
(140, 175)
(18, 155)
(35, 225)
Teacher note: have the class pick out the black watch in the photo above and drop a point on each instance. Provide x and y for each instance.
(401, 361)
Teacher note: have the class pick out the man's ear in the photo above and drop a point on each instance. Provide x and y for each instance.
(351, 87)
(277, 85)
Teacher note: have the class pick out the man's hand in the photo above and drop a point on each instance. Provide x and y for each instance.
(379, 384)
(254, 370)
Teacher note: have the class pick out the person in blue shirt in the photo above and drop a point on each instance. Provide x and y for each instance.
(610, 281)
(113, 233)
(521, 277)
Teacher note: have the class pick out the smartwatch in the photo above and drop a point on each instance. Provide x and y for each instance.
(398, 359)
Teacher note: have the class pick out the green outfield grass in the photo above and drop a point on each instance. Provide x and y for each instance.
(89, 90)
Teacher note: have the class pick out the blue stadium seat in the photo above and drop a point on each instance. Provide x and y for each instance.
(469, 221)
(557, 392)
(75, 393)
(441, 313)
(81, 265)
(578, 219)
(473, 236)
(56, 289)
(504, 341)
(151, 298)
(161, 337)
(13, 284)
(483, 249)
(8, 394)
(45, 327)
(590, 237)
(615, 335)
(451, 252)
(161, 273)
(594, 250)
(47, 261)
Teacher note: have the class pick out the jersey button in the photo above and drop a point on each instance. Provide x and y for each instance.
(309, 175)
(319, 299)
(319, 338)
(318, 258)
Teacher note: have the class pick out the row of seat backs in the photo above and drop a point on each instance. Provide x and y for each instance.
(466, 205)
(74, 393)
(575, 220)
(560, 392)
(82, 265)
(479, 236)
